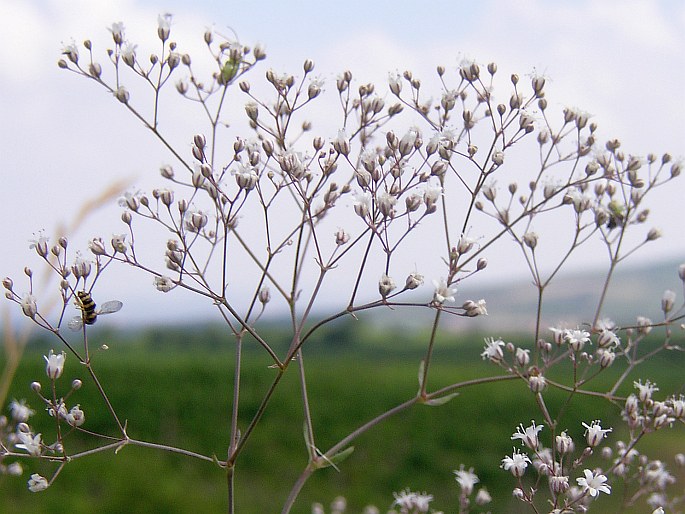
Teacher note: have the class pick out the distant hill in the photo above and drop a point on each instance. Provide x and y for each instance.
(572, 298)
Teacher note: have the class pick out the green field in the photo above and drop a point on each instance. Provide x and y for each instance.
(174, 388)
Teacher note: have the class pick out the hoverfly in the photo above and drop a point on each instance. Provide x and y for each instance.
(89, 313)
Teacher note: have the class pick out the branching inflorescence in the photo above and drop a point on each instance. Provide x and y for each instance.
(401, 167)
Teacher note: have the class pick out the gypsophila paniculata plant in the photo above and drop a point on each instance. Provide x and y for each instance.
(296, 208)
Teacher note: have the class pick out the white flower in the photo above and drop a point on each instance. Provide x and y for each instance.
(607, 338)
(163, 26)
(30, 443)
(341, 144)
(431, 194)
(40, 244)
(362, 204)
(386, 285)
(386, 204)
(119, 243)
(414, 280)
(71, 51)
(128, 54)
(395, 83)
(76, 417)
(667, 300)
(522, 357)
(121, 94)
(564, 443)
(246, 177)
(466, 479)
(528, 436)
(55, 364)
(37, 483)
(29, 306)
(474, 309)
(15, 469)
(517, 463)
(20, 411)
(117, 31)
(483, 497)
(576, 339)
(291, 163)
(493, 350)
(164, 284)
(537, 383)
(594, 484)
(406, 145)
(645, 391)
(595, 433)
(443, 292)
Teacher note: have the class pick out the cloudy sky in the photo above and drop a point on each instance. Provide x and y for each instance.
(64, 140)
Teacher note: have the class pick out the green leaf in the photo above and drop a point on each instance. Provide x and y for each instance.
(422, 367)
(440, 401)
(336, 459)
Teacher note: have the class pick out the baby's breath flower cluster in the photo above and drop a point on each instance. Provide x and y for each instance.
(276, 205)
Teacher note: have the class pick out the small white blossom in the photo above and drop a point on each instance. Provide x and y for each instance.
(537, 383)
(341, 143)
(164, 284)
(76, 417)
(29, 305)
(593, 483)
(667, 300)
(20, 411)
(164, 26)
(395, 83)
(386, 285)
(473, 309)
(30, 443)
(528, 436)
(119, 243)
(564, 443)
(576, 339)
(246, 177)
(517, 463)
(37, 483)
(443, 293)
(55, 364)
(386, 204)
(645, 390)
(40, 244)
(595, 433)
(414, 280)
(117, 31)
(493, 350)
(362, 204)
(14, 469)
(466, 479)
(522, 357)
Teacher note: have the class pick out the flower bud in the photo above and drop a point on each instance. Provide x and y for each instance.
(264, 295)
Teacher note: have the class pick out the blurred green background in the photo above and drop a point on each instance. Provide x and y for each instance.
(174, 387)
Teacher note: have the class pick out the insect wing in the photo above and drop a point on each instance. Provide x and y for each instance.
(110, 307)
(75, 323)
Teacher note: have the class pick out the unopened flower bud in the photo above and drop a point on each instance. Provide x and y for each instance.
(264, 295)
(341, 237)
(530, 239)
(653, 234)
(667, 301)
(121, 94)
